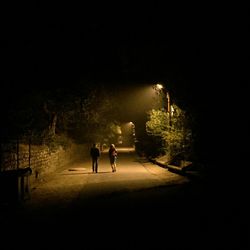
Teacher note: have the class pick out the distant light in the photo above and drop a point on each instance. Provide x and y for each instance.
(172, 110)
(159, 86)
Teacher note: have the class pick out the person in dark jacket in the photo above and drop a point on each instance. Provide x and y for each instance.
(95, 154)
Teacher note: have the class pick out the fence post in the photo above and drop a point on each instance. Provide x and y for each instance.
(17, 153)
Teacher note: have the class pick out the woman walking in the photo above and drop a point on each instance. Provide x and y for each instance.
(113, 157)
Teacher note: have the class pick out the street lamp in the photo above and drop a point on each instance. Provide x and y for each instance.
(167, 95)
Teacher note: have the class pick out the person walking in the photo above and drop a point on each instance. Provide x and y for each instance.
(113, 157)
(95, 154)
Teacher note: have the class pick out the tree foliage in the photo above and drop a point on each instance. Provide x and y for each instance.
(177, 136)
(85, 114)
(98, 116)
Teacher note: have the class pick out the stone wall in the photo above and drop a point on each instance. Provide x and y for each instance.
(41, 159)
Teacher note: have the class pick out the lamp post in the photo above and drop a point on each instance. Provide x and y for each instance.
(167, 95)
(133, 132)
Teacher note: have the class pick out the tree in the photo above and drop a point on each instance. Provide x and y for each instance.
(97, 116)
(84, 113)
(176, 137)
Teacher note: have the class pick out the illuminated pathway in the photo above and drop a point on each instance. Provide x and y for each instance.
(140, 205)
(76, 185)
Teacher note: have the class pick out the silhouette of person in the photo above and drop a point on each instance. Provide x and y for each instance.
(113, 157)
(95, 154)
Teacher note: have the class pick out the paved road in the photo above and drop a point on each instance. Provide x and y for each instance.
(140, 206)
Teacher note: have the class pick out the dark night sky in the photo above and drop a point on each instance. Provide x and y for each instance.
(183, 44)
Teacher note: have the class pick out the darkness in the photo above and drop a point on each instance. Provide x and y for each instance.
(199, 50)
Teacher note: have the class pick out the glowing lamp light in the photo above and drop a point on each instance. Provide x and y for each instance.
(159, 86)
